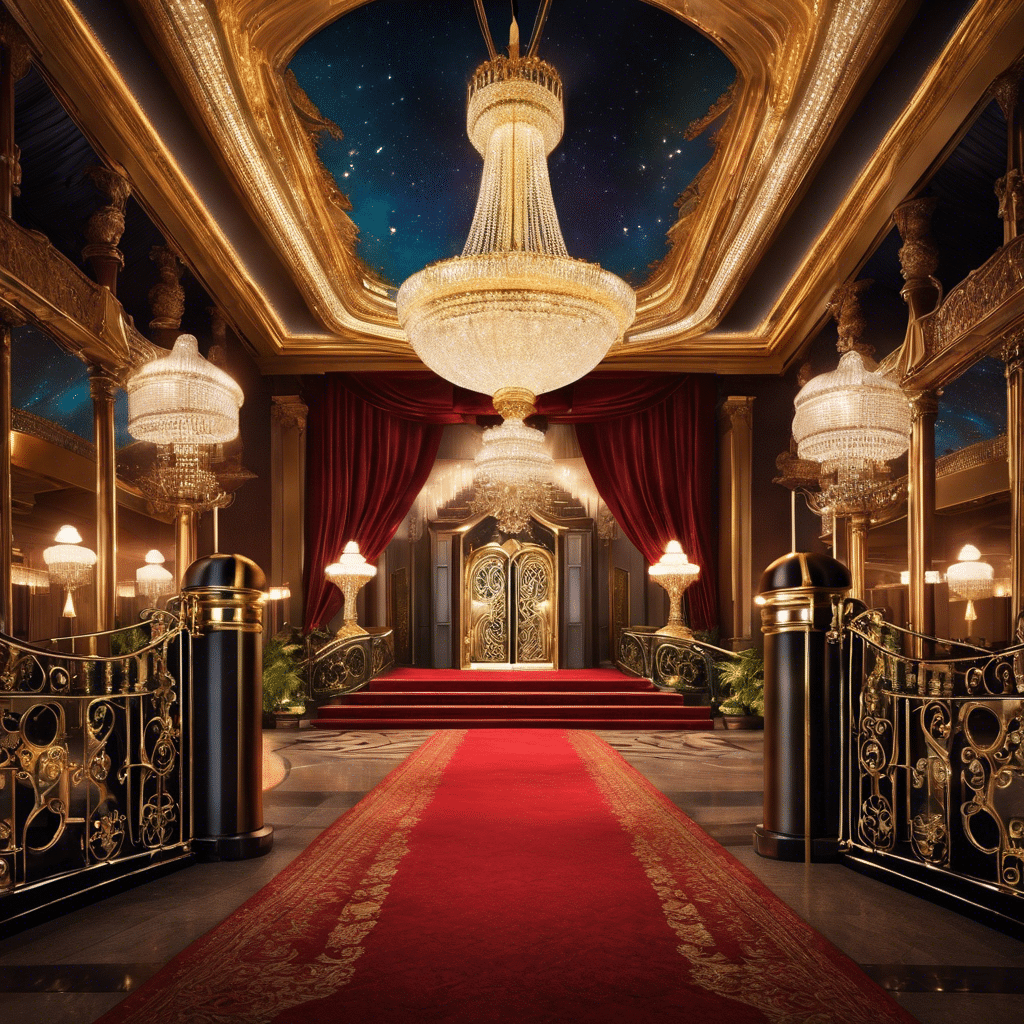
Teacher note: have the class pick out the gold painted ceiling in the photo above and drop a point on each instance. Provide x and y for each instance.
(190, 98)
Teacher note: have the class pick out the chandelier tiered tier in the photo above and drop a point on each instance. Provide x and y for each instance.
(514, 316)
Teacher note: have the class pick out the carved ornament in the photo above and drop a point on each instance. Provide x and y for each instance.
(167, 297)
(1013, 352)
(845, 308)
(289, 411)
(919, 255)
(739, 410)
(106, 226)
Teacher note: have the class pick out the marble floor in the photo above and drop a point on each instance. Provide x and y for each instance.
(941, 966)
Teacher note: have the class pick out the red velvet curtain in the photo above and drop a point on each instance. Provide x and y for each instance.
(364, 470)
(655, 469)
(648, 441)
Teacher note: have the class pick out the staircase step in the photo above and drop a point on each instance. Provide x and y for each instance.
(509, 710)
(636, 724)
(632, 698)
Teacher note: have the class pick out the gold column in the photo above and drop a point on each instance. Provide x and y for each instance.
(102, 388)
(921, 508)
(288, 491)
(739, 410)
(1010, 188)
(1013, 354)
(106, 226)
(6, 519)
(859, 523)
(185, 541)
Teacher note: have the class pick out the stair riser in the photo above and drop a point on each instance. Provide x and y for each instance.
(353, 713)
(559, 699)
(636, 724)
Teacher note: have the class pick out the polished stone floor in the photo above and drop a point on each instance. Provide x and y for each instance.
(942, 967)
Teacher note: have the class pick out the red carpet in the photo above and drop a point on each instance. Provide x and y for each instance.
(416, 698)
(512, 875)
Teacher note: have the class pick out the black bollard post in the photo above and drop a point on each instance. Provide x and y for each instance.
(802, 748)
(221, 601)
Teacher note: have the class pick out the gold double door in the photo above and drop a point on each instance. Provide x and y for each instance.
(511, 604)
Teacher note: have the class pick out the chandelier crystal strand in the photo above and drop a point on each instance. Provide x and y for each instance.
(513, 475)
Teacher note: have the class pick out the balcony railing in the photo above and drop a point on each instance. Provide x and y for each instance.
(344, 665)
(934, 787)
(93, 761)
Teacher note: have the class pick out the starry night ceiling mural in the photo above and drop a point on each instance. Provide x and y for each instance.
(392, 75)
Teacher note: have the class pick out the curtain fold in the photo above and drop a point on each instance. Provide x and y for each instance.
(655, 470)
(364, 470)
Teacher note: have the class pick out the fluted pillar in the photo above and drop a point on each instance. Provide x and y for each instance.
(859, 524)
(738, 409)
(1013, 354)
(921, 508)
(103, 388)
(1010, 188)
(6, 515)
(288, 492)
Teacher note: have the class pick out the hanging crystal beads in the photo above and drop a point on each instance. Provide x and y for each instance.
(512, 474)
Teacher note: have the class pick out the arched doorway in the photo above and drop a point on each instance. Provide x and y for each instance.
(511, 601)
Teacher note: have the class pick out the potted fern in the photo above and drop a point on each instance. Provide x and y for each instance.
(282, 680)
(741, 678)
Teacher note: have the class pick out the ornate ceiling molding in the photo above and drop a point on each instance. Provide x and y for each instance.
(803, 66)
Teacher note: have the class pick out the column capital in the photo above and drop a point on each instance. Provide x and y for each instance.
(922, 404)
(103, 384)
(1012, 351)
(739, 408)
(289, 411)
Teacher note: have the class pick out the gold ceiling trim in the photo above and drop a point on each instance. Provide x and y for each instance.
(802, 66)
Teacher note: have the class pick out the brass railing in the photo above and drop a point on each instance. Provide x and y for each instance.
(344, 665)
(92, 785)
(934, 787)
(671, 663)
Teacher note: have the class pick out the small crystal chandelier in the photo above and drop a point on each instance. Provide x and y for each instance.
(514, 316)
(675, 572)
(70, 564)
(512, 475)
(182, 398)
(152, 580)
(350, 574)
(851, 420)
(182, 477)
(970, 579)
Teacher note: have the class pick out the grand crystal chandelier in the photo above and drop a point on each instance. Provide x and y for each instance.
(852, 420)
(514, 316)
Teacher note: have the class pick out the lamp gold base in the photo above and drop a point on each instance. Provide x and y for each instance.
(676, 630)
(350, 629)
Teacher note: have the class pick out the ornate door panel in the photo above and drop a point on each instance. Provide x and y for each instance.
(533, 588)
(488, 607)
(511, 598)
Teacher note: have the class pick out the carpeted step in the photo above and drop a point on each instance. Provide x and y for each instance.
(632, 698)
(482, 682)
(568, 712)
(637, 724)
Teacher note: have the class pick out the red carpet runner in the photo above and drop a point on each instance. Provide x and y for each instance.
(525, 876)
(416, 698)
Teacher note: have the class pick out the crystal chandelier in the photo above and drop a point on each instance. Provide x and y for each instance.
(675, 572)
(514, 316)
(350, 574)
(26, 576)
(69, 564)
(970, 579)
(512, 474)
(181, 398)
(852, 420)
(152, 580)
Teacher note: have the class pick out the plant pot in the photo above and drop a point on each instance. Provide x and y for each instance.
(287, 719)
(743, 721)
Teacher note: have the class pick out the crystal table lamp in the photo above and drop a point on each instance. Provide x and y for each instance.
(152, 580)
(69, 564)
(350, 574)
(675, 572)
(970, 579)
